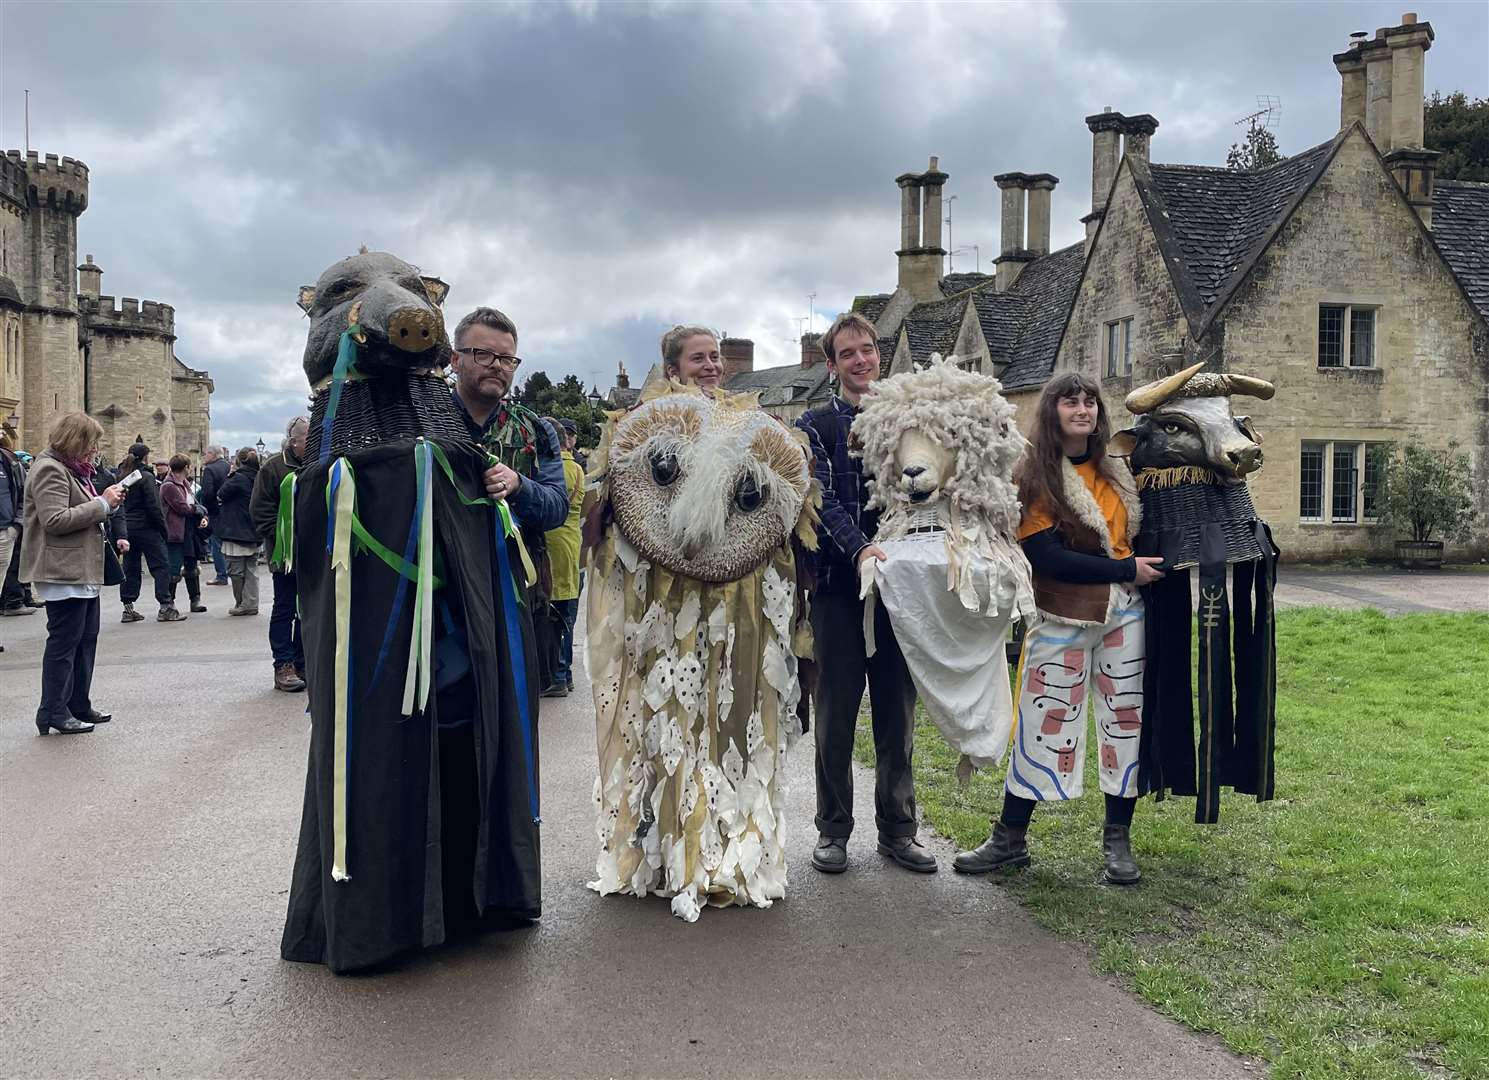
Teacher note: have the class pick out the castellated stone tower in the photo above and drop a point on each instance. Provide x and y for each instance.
(65, 347)
(43, 372)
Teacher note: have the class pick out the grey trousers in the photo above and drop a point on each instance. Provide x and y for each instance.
(842, 670)
(243, 573)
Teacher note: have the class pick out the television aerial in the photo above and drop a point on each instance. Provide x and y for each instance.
(1268, 112)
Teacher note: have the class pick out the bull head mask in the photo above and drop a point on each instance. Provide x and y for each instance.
(1186, 420)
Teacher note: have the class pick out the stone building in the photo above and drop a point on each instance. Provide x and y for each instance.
(786, 391)
(65, 346)
(1345, 274)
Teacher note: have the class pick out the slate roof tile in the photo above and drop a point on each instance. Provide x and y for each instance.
(1460, 225)
(1023, 325)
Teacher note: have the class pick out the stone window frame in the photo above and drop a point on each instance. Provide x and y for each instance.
(1115, 332)
(1348, 308)
(1360, 496)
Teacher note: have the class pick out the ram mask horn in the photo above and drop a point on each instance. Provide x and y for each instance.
(1149, 397)
(1248, 386)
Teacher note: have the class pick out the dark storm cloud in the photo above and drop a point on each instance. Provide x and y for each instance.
(601, 171)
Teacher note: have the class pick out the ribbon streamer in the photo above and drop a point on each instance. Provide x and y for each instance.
(421, 642)
(503, 527)
(343, 494)
(346, 361)
(284, 525)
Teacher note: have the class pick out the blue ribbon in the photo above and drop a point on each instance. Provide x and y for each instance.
(410, 549)
(519, 662)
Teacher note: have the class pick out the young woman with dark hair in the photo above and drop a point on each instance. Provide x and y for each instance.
(1085, 652)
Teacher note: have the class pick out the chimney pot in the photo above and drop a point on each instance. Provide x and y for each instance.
(935, 164)
(1409, 19)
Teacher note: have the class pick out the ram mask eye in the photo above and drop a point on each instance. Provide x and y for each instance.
(1172, 429)
(748, 495)
(664, 469)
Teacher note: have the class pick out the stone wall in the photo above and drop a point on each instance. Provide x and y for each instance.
(52, 373)
(191, 410)
(1354, 240)
(130, 391)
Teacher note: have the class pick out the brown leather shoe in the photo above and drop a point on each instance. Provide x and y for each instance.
(285, 679)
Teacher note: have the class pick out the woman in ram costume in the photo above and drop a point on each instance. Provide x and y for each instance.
(699, 512)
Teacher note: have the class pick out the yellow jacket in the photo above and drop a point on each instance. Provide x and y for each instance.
(563, 542)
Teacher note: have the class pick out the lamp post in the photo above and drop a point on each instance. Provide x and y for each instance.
(259, 446)
(594, 397)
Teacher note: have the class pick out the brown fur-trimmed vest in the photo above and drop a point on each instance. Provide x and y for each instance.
(1086, 605)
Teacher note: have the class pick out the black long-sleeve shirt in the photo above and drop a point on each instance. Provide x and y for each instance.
(1049, 557)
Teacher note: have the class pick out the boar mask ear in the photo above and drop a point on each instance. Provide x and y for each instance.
(307, 298)
(1122, 443)
(437, 290)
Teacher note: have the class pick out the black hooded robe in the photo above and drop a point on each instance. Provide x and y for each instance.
(431, 811)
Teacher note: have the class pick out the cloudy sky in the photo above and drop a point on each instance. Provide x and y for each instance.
(603, 170)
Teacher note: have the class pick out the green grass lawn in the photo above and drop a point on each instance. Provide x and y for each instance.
(1339, 931)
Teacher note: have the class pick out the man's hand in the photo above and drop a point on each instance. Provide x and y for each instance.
(873, 551)
(113, 495)
(1147, 569)
(123, 546)
(501, 482)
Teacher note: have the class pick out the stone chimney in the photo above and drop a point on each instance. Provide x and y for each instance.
(1041, 189)
(811, 348)
(739, 356)
(920, 252)
(1106, 138)
(1137, 132)
(622, 380)
(89, 276)
(1013, 253)
(1382, 82)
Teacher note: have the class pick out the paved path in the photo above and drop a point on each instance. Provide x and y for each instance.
(1395, 592)
(144, 878)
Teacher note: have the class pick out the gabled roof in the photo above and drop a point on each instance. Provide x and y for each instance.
(871, 307)
(1022, 326)
(783, 385)
(1460, 225)
(933, 327)
(952, 284)
(1212, 224)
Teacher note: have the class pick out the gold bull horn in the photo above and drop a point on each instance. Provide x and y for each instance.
(1149, 397)
(1248, 386)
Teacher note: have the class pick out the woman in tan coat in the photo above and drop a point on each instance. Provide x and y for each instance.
(62, 556)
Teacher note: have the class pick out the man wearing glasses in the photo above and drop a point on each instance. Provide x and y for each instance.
(529, 474)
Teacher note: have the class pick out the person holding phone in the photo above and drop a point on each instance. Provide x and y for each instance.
(62, 555)
(1085, 652)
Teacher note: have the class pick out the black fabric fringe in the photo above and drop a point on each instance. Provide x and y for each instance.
(1174, 519)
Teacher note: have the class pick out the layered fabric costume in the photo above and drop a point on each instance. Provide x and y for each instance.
(421, 812)
(693, 639)
(373, 872)
(1198, 523)
(1085, 655)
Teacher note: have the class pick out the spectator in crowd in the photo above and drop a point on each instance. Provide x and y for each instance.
(147, 538)
(215, 467)
(63, 556)
(563, 555)
(272, 489)
(183, 517)
(233, 527)
(15, 598)
(12, 489)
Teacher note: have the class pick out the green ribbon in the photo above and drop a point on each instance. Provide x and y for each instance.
(284, 526)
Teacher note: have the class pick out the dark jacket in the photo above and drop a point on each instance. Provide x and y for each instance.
(846, 527)
(234, 521)
(142, 511)
(12, 488)
(213, 477)
(264, 507)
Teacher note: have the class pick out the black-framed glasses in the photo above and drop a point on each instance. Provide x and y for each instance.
(485, 357)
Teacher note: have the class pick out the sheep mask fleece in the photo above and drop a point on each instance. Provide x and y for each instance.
(939, 447)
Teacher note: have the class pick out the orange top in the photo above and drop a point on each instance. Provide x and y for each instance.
(1038, 517)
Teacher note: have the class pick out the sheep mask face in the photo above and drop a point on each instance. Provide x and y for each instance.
(707, 488)
(944, 439)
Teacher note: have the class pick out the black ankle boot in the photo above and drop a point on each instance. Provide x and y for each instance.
(1006, 848)
(1116, 850)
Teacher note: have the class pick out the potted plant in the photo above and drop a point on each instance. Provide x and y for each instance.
(1427, 495)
